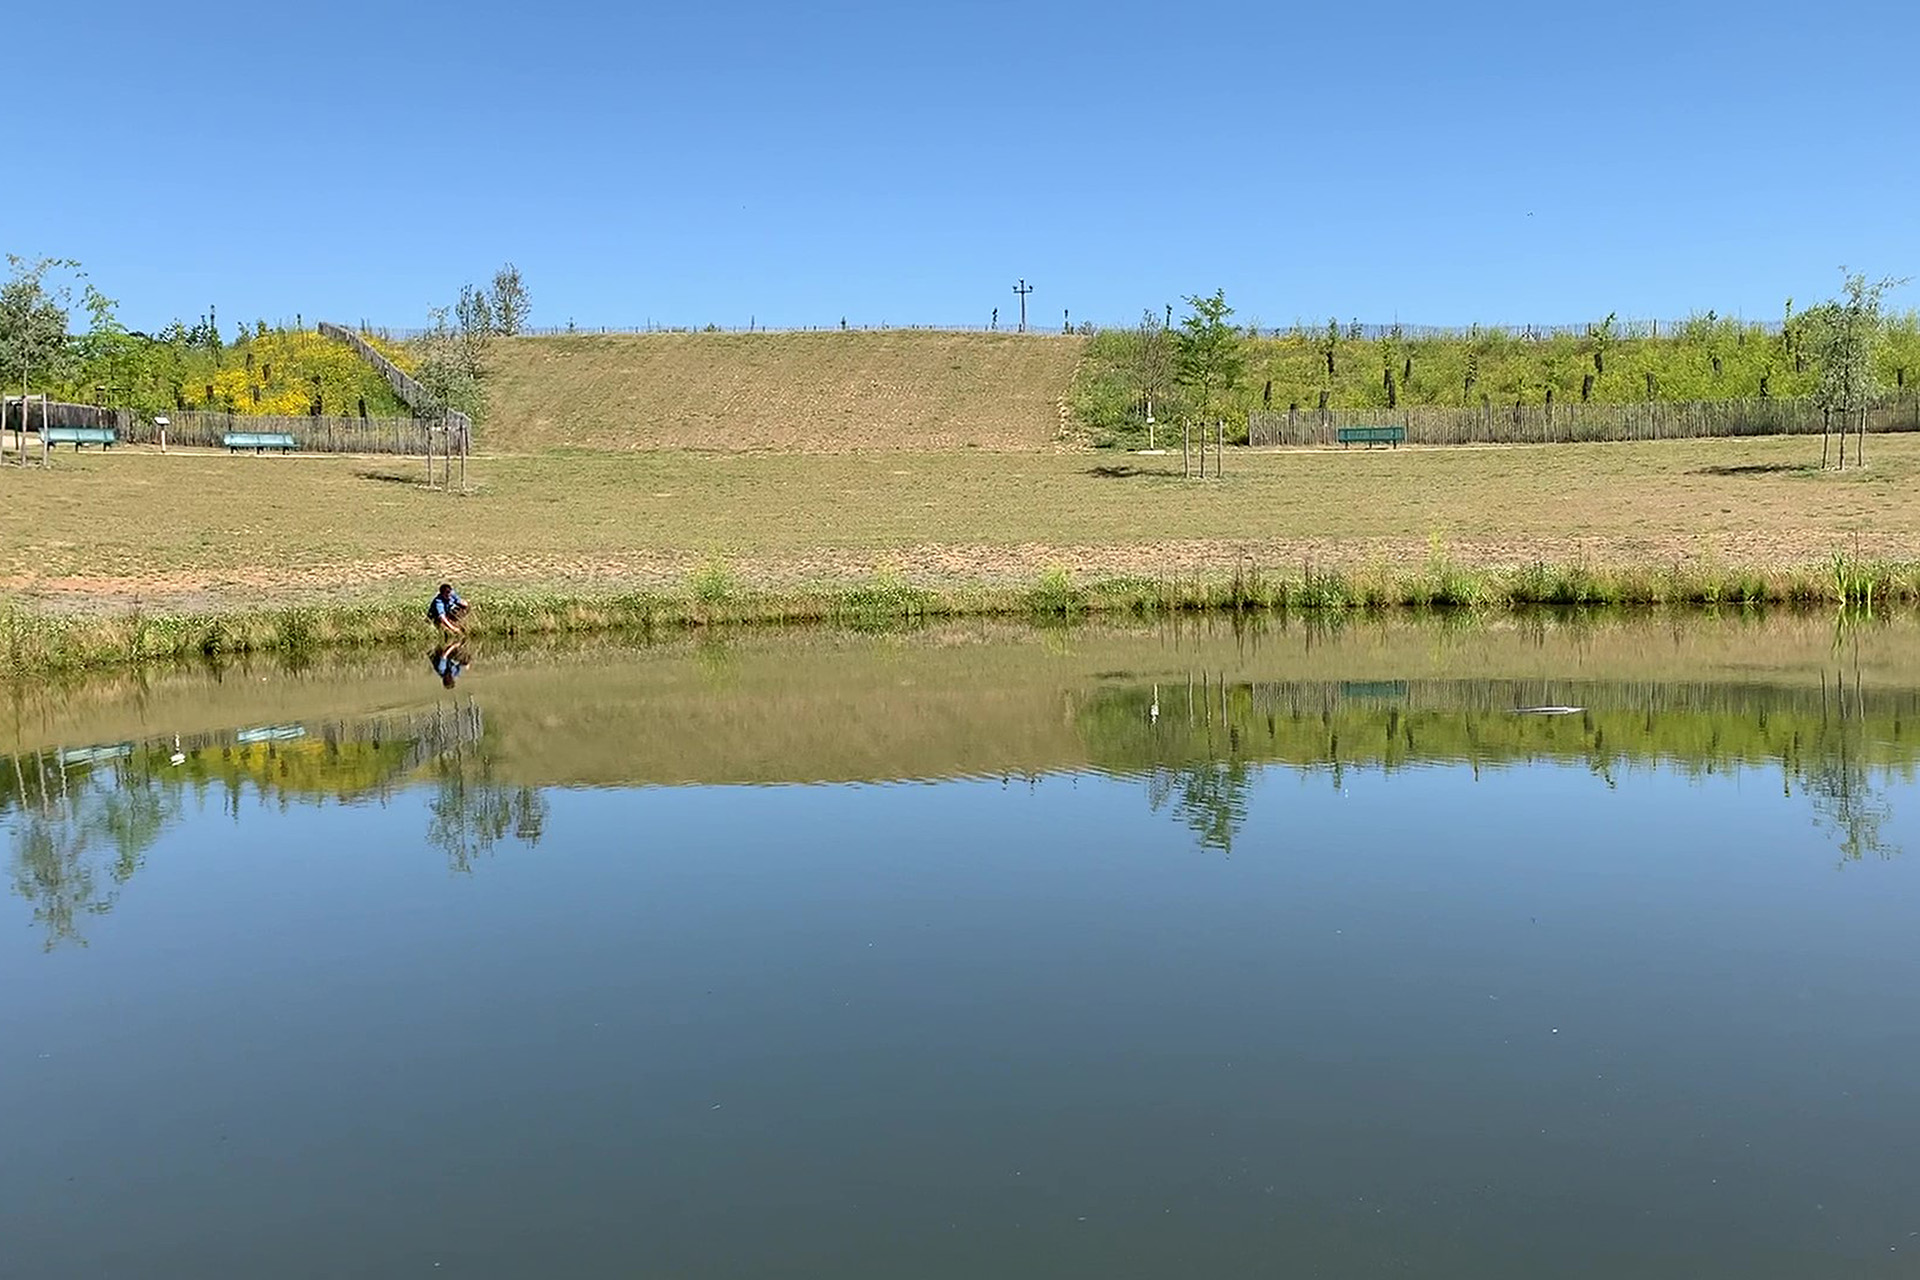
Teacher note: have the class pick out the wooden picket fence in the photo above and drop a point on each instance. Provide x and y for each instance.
(202, 428)
(410, 392)
(1570, 423)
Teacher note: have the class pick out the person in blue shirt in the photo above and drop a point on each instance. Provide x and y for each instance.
(445, 612)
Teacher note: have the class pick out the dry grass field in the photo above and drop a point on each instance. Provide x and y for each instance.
(832, 392)
(212, 531)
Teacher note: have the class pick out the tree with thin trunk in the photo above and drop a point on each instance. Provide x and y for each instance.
(1844, 336)
(1209, 352)
(33, 326)
(474, 315)
(444, 369)
(1152, 362)
(510, 304)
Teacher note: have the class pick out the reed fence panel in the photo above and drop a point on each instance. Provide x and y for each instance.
(1570, 423)
(203, 428)
(411, 393)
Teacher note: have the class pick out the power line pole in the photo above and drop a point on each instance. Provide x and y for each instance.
(1023, 289)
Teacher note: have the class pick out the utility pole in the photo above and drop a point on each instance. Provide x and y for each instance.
(1023, 289)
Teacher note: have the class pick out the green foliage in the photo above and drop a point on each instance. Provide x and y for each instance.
(713, 584)
(508, 299)
(1706, 357)
(1107, 396)
(888, 600)
(1847, 338)
(1055, 595)
(473, 313)
(262, 370)
(448, 367)
(1209, 354)
(33, 321)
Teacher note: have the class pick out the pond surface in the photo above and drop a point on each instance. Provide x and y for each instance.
(1542, 947)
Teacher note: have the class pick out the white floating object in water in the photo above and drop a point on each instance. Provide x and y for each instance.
(1548, 711)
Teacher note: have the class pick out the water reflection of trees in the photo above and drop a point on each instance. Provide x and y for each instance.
(77, 841)
(1196, 743)
(81, 823)
(1210, 798)
(471, 813)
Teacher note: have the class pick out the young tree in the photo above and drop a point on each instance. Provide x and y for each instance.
(474, 314)
(1152, 360)
(444, 369)
(1844, 336)
(1208, 352)
(33, 324)
(510, 303)
(109, 353)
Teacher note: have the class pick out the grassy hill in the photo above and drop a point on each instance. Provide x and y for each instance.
(830, 392)
(912, 390)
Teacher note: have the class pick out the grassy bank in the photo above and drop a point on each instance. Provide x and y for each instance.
(893, 390)
(205, 533)
(36, 640)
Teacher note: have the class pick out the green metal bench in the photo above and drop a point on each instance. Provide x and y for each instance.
(105, 437)
(1371, 436)
(258, 441)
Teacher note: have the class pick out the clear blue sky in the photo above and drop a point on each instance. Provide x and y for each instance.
(906, 163)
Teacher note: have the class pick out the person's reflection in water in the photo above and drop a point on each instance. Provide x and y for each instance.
(449, 660)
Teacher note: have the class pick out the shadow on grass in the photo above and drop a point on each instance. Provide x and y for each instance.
(1757, 469)
(1124, 471)
(389, 477)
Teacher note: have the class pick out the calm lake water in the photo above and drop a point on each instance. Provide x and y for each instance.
(1543, 947)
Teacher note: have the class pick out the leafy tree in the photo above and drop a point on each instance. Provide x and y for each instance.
(1844, 336)
(1152, 360)
(474, 314)
(33, 322)
(509, 299)
(1208, 351)
(445, 369)
(110, 355)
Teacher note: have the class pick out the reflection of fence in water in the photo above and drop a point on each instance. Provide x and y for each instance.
(48, 777)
